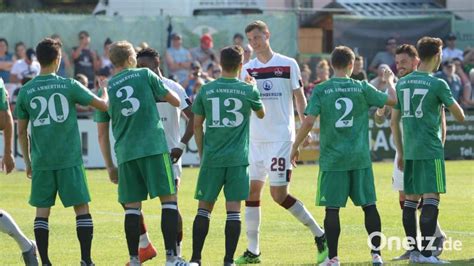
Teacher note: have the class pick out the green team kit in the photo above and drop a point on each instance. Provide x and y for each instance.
(345, 163)
(140, 145)
(420, 99)
(226, 104)
(3, 97)
(49, 103)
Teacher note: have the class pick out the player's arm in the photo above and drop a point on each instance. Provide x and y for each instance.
(260, 113)
(25, 144)
(104, 143)
(8, 162)
(457, 112)
(177, 152)
(101, 103)
(379, 116)
(172, 99)
(392, 95)
(397, 136)
(199, 132)
(300, 102)
(303, 132)
(443, 125)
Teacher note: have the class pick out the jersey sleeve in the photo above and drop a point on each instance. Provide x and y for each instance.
(314, 105)
(183, 97)
(158, 88)
(20, 109)
(295, 75)
(99, 116)
(81, 94)
(397, 105)
(444, 93)
(3, 97)
(255, 101)
(373, 96)
(198, 106)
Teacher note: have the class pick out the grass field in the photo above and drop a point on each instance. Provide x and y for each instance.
(283, 240)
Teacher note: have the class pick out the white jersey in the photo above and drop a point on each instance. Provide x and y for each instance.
(276, 81)
(170, 115)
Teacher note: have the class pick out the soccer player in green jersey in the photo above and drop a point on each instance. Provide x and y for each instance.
(345, 166)
(7, 224)
(421, 157)
(144, 165)
(225, 104)
(55, 166)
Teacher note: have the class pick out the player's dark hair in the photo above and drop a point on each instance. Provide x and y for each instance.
(258, 24)
(83, 33)
(428, 47)
(231, 57)
(107, 41)
(47, 51)
(238, 35)
(148, 52)
(341, 57)
(408, 49)
(19, 44)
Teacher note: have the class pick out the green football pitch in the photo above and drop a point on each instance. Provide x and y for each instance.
(284, 241)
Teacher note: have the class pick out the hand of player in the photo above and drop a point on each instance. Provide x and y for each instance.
(380, 111)
(176, 154)
(8, 163)
(400, 162)
(113, 174)
(178, 182)
(295, 154)
(307, 140)
(388, 75)
(103, 83)
(250, 80)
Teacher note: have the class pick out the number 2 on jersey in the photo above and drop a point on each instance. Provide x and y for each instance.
(407, 101)
(49, 106)
(342, 121)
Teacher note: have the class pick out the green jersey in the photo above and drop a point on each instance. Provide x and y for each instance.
(3, 97)
(226, 105)
(343, 106)
(49, 102)
(136, 124)
(420, 97)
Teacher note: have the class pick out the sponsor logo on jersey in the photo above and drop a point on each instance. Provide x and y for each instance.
(267, 85)
(270, 72)
(278, 72)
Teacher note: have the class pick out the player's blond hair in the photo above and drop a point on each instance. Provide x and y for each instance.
(120, 52)
(258, 24)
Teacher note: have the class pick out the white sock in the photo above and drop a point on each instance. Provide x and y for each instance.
(302, 214)
(178, 250)
(144, 241)
(439, 232)
(9, 227)
(252, 219)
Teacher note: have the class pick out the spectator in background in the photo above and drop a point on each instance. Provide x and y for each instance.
(194, 81)
(28, 67)
(305, 75)
(448, 74)
(322, 74)
(6, 61)
(359, 72)
(468, 59)
(178, 59)
(214, 71)
(380, 82)
(238, 40)
(450, 51)
(65, 66)
(248, 51)
(84, 58)
(20, 51)
(465, 82)
(83, 112)
(204, 53)
(385, 57)
(104, 60)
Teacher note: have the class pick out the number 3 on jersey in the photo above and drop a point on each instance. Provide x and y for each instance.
(342, 121)
(226, 122)
(127, 91)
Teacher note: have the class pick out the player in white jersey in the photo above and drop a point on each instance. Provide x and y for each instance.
(406, 60)
(278, 79)
(170, 117)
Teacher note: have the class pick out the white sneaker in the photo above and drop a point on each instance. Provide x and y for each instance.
(134, 262)
(176, 261)
(330, 262)
(404, 256)
(431, 260)
(376, 259)
(414, 255)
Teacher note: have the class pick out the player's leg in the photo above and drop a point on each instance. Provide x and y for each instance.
(209, 184)
(132, 230)
(253, 210)
(328, 183)
(43, 196)
(73, 191)
(178, 170)
(28, 247)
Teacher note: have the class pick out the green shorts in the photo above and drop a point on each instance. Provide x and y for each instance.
(235, 181)
(70, 183)
(151, 175)
(334, 187)
(424, 176)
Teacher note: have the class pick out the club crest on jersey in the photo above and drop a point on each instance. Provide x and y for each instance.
(278, 72)
(267, 85)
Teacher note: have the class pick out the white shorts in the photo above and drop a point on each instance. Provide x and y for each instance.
(177, 169)
(397, 176)
(270, 159)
